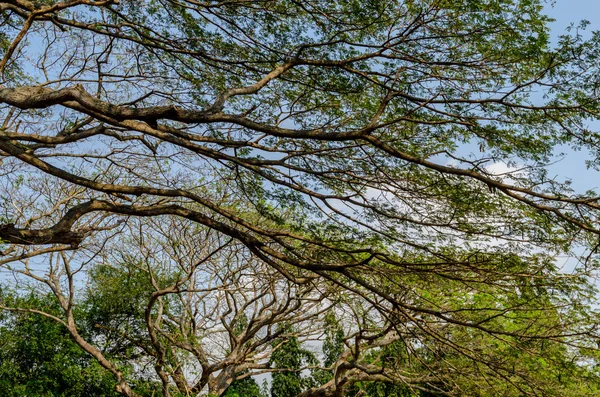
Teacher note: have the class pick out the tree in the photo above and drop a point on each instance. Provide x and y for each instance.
(320, 145)
(246, 387)
(37, 356)
(290, 358)
(169, 317)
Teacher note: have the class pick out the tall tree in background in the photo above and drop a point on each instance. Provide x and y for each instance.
(38, 357)
(277, 159)
(290, 358)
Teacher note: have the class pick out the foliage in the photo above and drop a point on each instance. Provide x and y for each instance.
(246, 387)
(38, 357)
(289, 357)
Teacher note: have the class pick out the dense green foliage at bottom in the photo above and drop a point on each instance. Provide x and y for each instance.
(38, 358)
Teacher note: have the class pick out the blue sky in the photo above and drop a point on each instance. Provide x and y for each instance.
(566, 12)
(572, 164)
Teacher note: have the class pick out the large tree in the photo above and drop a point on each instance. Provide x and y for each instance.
(321, 144)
